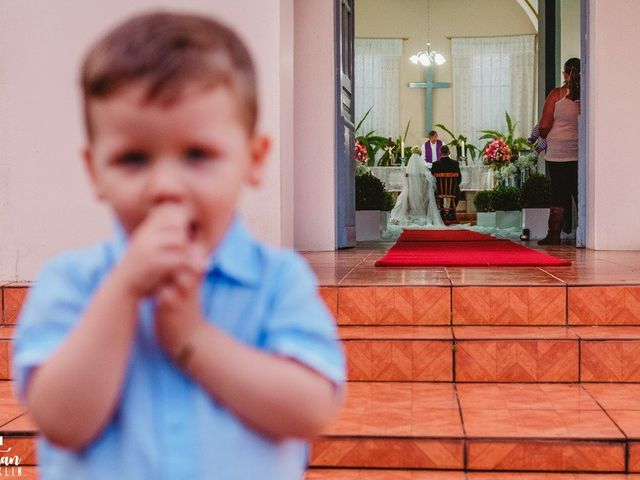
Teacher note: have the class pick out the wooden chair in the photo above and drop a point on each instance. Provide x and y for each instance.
(446, 187)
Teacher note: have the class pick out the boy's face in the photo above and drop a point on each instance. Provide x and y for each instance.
(196, 153)
(433, 138)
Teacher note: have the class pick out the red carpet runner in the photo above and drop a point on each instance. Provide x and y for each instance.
(448, 248)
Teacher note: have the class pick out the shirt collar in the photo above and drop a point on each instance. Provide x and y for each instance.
(236, 255)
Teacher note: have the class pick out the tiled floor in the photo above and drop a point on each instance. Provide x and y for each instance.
(355, 267)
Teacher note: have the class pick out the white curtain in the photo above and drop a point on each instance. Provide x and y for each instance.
(491, 76)
(377, 79)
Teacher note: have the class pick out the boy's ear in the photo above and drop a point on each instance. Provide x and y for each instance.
(87, 156)
(260, 148)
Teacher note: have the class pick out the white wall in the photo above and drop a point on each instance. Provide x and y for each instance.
(612, 118)
(315, 224)
(45, 201)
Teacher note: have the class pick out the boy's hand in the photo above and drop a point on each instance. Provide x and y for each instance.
(178, 314)
(161, 250)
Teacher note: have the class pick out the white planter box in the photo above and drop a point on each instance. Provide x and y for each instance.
(508, 218)
(486, 219)
(537, 221)
(370, 224)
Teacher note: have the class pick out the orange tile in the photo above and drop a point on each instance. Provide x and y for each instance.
(399, 360)
(512, 332)
(330, 297)
(538, 396)
(356, 306)
(471, 306)
(621, 401)
(607, 332)
(544, 476)
(496, 276)
(628, 421)
(5, 370)
(387, 453)
(540, 424)
(587, 305)
(547, 306)
(21, 472)
(413, 306)
(23, 424)
(361, 474)
(546, 456)
(610, 361)
(369, 275)
(634, 457)
(623, 305)
(516, 361)
(385, 332)
(610, 305)
(394, 306)
(615, 396)
(509, 305)
(23, 447)
(7, 332)
(13, 297)
(384, 409)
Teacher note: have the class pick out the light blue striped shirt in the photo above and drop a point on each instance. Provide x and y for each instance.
(166, 426)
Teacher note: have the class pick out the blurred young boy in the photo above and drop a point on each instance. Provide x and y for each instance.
(183, 348)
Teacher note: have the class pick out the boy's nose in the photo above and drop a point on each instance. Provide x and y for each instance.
(165, 184)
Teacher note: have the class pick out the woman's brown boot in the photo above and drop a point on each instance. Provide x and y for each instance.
(556, 218)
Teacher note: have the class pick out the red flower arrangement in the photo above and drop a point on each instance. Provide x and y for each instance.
(361, 153)
(497, 152)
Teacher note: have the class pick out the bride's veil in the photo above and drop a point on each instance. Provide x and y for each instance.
(416, 203)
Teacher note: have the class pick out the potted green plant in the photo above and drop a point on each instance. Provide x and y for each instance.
(506, 201)
(462, 146)
(374, 144)
(535, 197)
(486, 214)
(372, 206)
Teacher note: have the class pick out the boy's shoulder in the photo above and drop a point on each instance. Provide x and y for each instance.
(247, 257)
(81, 266)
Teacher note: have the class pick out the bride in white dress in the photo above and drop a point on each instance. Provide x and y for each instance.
(416, 204)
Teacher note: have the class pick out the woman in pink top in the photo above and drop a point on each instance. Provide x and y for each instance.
(559, 125)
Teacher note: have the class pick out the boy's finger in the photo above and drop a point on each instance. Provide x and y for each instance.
(167, 296)
(198, 257)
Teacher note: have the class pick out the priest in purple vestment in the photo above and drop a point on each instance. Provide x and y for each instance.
(432, 148)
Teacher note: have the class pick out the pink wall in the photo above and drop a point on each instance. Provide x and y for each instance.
(45, 202)
(314, 126)
(612, 120)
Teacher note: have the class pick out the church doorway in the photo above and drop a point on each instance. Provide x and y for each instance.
(498, 57)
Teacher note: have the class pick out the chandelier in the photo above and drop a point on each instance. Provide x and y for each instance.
(428, 57)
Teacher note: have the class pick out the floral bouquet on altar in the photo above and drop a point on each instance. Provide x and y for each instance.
(497, 153)
(361, 155)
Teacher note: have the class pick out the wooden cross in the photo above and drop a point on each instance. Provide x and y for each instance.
(429, 85)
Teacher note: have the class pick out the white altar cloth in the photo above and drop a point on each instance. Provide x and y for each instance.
(473, 177)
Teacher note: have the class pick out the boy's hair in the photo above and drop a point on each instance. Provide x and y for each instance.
(432, 133)
(165, 53)
(444, 150)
